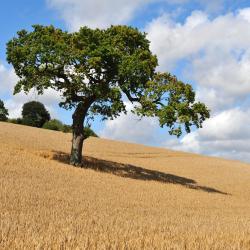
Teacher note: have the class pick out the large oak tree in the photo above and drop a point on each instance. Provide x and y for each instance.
(95, 70)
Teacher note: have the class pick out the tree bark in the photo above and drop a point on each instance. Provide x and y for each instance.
(78, 136)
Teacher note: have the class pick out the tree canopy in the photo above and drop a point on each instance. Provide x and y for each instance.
(34, 114)
(96, 69)
(3, 112)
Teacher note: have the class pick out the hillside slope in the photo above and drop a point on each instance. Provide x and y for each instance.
(127, 196)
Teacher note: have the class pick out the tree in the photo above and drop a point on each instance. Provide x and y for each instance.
(34, 114)
(94, 70)
(3, 112)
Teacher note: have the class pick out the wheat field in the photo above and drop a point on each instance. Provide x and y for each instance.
(126, 196)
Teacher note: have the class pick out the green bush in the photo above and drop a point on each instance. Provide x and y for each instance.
(89, 132)
(16, 120)
(67, 128)
(53, 125)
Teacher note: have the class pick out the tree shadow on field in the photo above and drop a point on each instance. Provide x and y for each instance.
(134, 172)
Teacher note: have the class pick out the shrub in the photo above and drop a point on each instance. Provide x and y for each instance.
(89, 132)
(59, 126)
(34, 114)
(15, 120)
(67, 128)
(54, 125)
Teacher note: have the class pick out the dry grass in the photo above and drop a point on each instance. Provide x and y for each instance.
(127, 197)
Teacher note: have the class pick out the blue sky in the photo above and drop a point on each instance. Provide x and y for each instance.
(205, 43)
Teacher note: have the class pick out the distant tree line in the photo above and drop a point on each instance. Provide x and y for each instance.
(34, 114)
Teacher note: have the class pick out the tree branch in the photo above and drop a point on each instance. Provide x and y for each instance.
(132, 99)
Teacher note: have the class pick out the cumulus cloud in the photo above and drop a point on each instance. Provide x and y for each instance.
(8, 79)
(130, 128)
(173, 41)
(217, 51)
(226, 134)
(50, 99)
(100, 14)
(14, 104)
(215, 100)
(228, 70)
(96, 13)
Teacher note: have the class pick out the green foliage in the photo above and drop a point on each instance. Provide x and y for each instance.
(54, 125)
(34, 114)
(15, 120)
(67, 128)
(3, 112)
(89, 132)
(181, 110)
(59, 126)
(94, 68)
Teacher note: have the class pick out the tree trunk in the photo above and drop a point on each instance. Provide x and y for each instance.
(78, 136)
(76, 149)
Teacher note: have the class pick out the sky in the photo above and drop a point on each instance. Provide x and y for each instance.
(204, 43)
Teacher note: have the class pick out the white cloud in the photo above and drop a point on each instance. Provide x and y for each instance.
(100, 14)
(245, 14)
(14, 104)
(217, 52)
(8, 79)
(96, 13)
(50, 99)
(224, 70)
(226, 134)
(130, 128)
(215, 100)
(173, 41)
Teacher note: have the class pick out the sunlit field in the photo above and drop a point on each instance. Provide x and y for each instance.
(126, 196)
